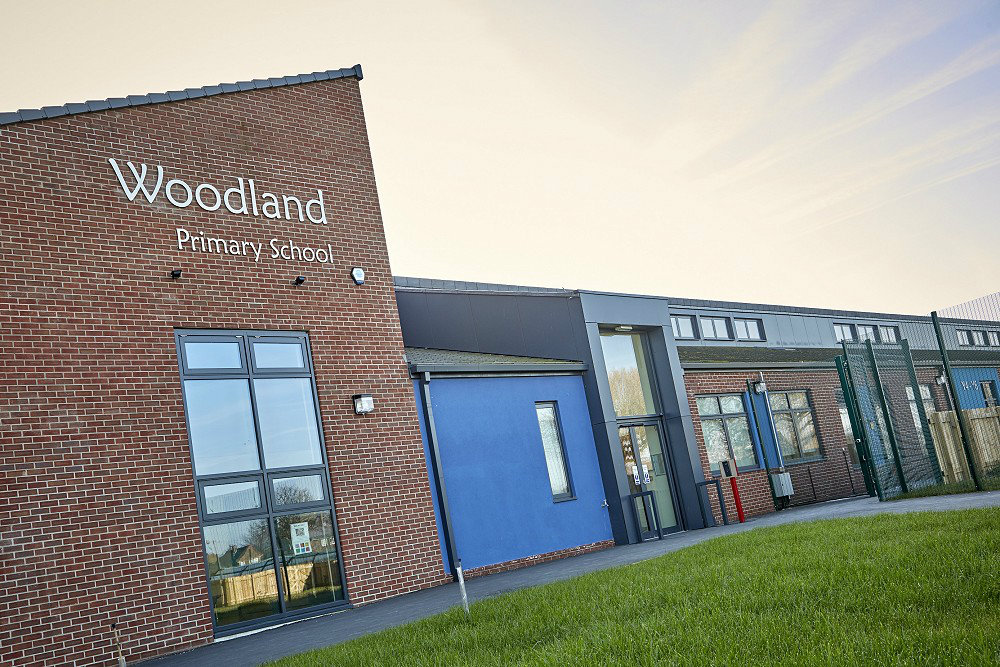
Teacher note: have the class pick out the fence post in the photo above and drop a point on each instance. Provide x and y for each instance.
(959, 415)
(888, 417)
(924, 426)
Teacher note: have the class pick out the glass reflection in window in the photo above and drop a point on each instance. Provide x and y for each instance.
(221, 422)
(212, 355)
(241, 571)
(628, 374)
(288, 429)
(297, 490)
(234, 497)
(278, 355)
(308, 559)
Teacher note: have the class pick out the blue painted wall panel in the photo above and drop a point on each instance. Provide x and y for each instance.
(495, 473)
(967, 381)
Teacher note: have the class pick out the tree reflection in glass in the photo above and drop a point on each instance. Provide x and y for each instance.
(309, 567)
(241, 571)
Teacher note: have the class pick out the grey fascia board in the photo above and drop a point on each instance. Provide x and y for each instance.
(572, 367)
(70, 109)
(749, 366)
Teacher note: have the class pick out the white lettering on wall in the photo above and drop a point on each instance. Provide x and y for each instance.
(279, 248)
(207, 196)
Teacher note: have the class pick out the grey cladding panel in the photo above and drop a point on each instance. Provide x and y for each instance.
(547, 327)
(496, 321)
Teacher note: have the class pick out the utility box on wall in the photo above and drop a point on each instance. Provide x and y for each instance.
(782, 484)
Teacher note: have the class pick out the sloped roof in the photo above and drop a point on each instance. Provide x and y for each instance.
(423, 360)
(21, 115)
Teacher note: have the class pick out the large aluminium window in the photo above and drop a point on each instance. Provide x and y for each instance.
(793, 422)
(726, 430)
(628, 369)
(684, 327)
(261, 475)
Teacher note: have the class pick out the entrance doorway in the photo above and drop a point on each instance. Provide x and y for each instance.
(647, 471)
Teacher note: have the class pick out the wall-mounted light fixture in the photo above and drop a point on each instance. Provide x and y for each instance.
(759, 387)
(358, 275)
(623, 328)
(299, 280)
(363, 404)
(175, 274)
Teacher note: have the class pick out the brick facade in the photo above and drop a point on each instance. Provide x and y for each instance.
(98, 521)
(832, 476)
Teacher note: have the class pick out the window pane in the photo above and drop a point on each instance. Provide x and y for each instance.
(278, 355)
(297, 490)
(287, 417)
(231, 497)
(716, 444)
(731, 404)
(212, 355)
(963, 337)
(308, 559)
(552, 445)
(739, 440)
(741, 328)
(807, 433)
(241, 571)
(753, 330)
(686, 327)
(628, 374)
(786, 435)
(222, 434)
(707, 405)
(797, 399)
(778, 401)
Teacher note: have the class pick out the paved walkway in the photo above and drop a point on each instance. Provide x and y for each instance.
(341, 626)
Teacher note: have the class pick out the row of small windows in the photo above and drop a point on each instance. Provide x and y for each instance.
(978, 338)
(852, 333)
(717, 328)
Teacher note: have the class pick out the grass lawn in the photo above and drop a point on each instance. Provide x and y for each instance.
(914, 589)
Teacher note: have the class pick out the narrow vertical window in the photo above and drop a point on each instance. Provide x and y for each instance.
(555, 452)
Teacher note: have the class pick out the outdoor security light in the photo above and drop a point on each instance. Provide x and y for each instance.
(363, 404)
(358, 274)
(623, 327)
(299, 280)
(176, 273)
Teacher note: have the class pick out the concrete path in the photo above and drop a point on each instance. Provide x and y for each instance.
(334, 628)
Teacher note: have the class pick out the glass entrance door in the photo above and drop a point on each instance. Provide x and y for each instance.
(647, 470)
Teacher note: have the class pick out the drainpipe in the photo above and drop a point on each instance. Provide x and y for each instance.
(442, 494)
(763, 447)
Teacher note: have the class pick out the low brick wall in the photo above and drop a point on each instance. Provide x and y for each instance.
(537, 559)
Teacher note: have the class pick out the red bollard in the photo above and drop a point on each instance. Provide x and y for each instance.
(736, 499)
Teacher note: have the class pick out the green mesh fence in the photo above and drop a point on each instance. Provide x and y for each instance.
(902, 456)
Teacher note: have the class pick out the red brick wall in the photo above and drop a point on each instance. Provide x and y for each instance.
(98, 519)
(815, 481)
(537, 559)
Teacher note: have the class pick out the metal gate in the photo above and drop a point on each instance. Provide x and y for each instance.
(889, 417)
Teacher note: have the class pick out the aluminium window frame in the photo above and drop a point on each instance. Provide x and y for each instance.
(966, 334)
(722, 417)
(897, 336)
(851, 328)
(977, 338)
(760, 328)
(571, 494)
(728, 321)
(876, 335)
(268, 512)
(692, 319)
(820, 449)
